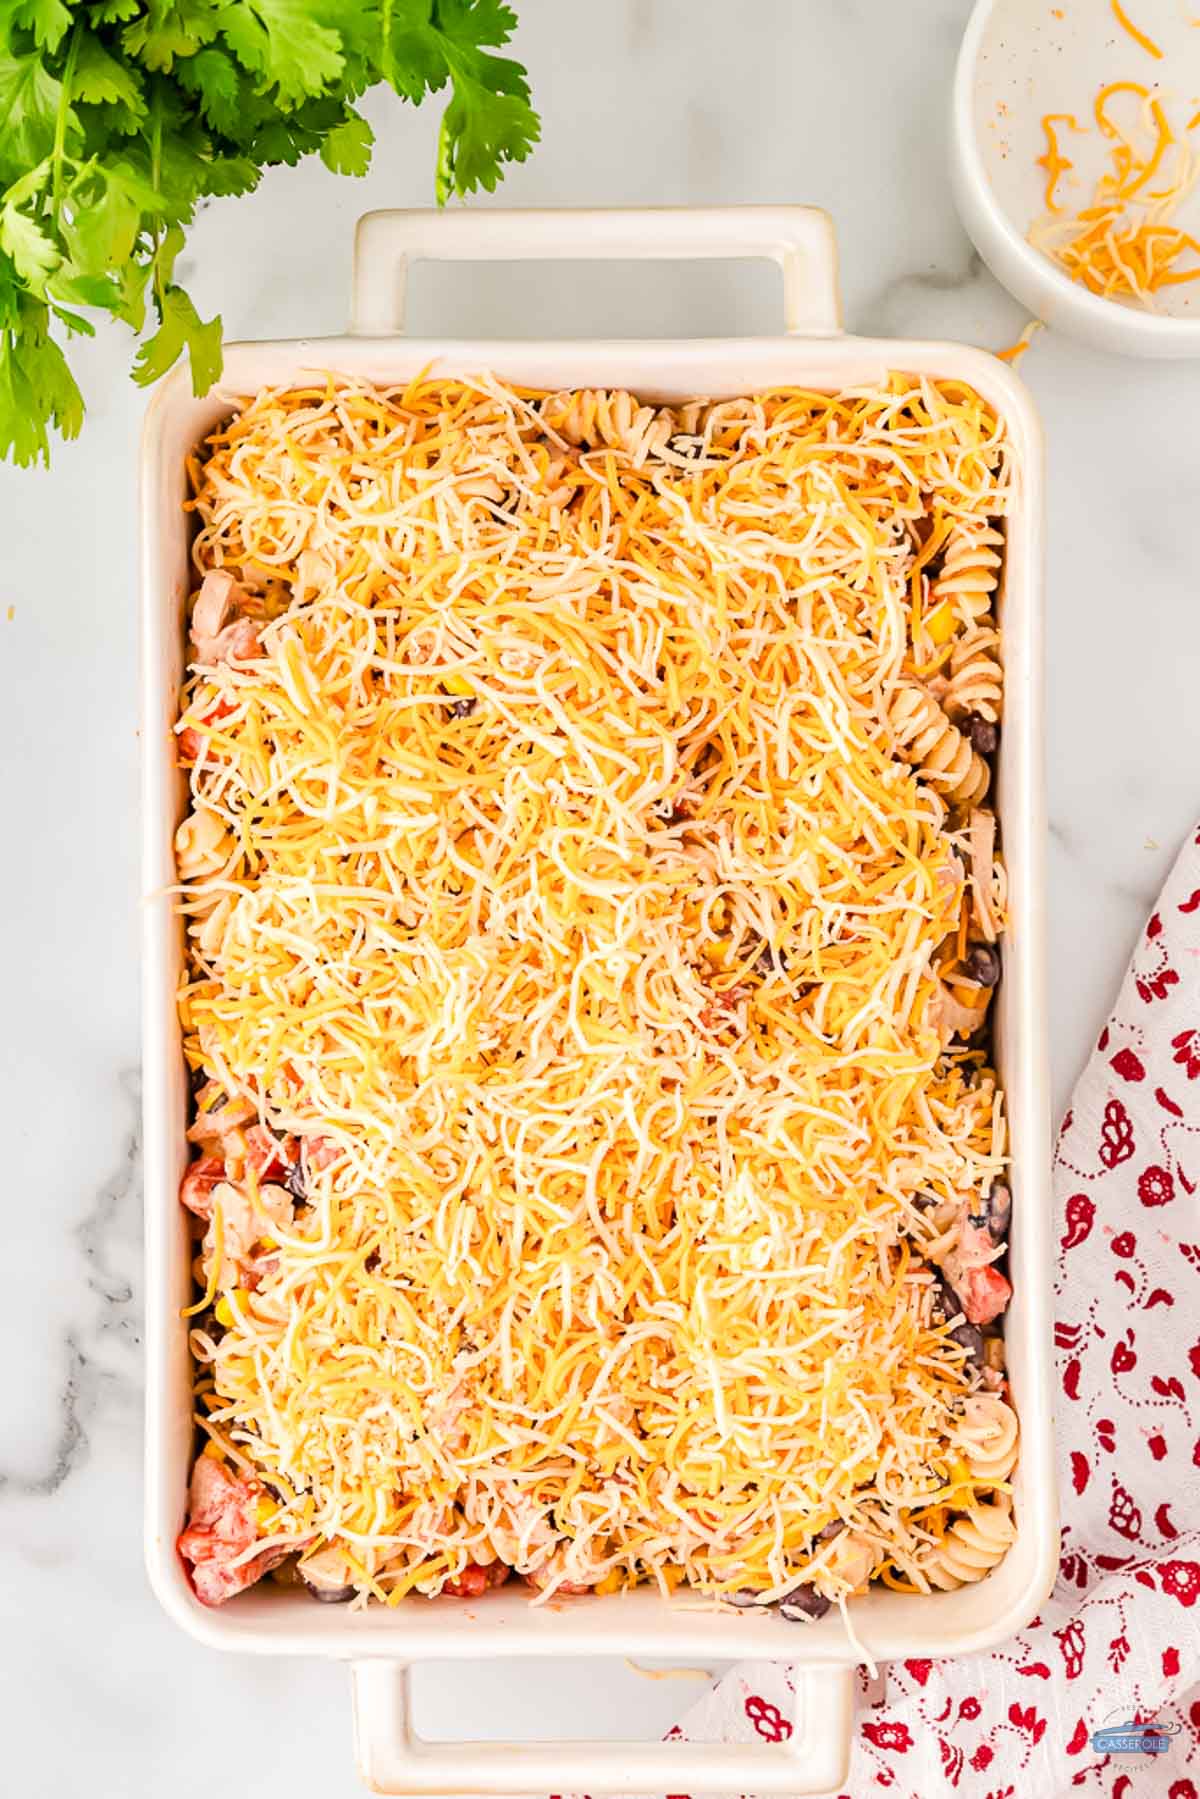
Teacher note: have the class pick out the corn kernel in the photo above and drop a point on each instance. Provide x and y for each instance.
(226, 1312)
(266, 1510)
(940, 623)
(457, 684)
(213, 1448)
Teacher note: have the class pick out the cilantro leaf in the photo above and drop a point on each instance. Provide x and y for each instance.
(47, 20)
(34, 255)
(181, 328)
(29, 101)
(212, 76)
(347, 148)
(476, 23)
(282, 42)
(100, 80)
(114, 12)
(119, 117)
(37, 390)
(170, 29)
(414, 57)
(489, 120)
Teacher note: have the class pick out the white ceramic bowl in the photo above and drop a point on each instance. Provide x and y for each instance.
(1021, 59)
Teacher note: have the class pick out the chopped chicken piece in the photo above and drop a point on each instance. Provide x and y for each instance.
(244, 1223)
(550, 1571)
(220, 631)
(219, 1121)
(950, 1018)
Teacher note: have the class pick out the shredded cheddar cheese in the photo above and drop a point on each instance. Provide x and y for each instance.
(1122, 245)
(1015, 351)
(1054, 162)
(573, 898)
(1139, 37)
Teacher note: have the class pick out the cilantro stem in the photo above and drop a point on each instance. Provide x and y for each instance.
(387, 66)
(155, 180)
(60, 123)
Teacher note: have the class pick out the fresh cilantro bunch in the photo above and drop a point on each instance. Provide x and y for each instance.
(118, 116)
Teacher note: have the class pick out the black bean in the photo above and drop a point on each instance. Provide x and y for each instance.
(830, 1530)
(983, 964)
(293, 1180)
(803, 1602)
(999, 1208)
(984, 735)
(372, 1261)
(324, 1574)
(744, 1598)
(327, 1595)
(966, 1335)
(461, 708)
(994, 1212)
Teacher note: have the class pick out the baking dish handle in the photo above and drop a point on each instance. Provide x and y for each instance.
(392, 1759)
(798, 238)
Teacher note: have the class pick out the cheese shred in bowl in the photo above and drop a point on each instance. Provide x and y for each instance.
(592, 903)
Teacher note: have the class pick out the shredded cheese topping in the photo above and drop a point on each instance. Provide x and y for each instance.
(572, 897)
(1140, 37)
(1122, 245)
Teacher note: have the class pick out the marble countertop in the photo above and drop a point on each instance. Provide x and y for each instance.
(643, 101)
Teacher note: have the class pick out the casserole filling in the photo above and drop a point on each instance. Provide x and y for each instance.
(592, 903)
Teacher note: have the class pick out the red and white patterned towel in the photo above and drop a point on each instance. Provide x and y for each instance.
(1121, 1632)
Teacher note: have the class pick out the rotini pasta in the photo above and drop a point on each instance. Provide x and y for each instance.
(847, 1566)
(930, 740)
(202, 844)
(988, 1438)
(595, 417)
(976, 1541)
(970, 572)
(976, 682)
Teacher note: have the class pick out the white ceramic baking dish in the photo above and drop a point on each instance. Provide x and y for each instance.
(380, 1642)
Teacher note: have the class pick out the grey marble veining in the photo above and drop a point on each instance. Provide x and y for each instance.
(643, 101)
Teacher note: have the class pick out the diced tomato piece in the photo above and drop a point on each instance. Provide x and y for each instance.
(192, 738)
(268, 1155)
(476, 1579)
(221, 1526)
(984, 1293)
